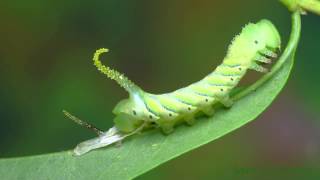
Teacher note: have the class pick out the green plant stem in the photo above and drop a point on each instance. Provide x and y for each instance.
(311, 5)
(292, 45)
(302, 5)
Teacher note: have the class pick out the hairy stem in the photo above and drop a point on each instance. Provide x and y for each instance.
(290, 49)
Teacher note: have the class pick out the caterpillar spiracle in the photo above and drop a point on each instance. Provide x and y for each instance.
(257, 44)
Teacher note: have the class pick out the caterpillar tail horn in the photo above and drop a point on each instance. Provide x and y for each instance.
(121, 79)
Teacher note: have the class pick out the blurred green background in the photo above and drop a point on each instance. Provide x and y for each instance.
(46, 49)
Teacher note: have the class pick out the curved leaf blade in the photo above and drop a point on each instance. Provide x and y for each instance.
(150, 149)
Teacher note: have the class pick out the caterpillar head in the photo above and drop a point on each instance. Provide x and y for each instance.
(267, 36)
(256, 42)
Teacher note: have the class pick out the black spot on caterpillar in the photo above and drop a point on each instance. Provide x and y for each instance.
(253, 46)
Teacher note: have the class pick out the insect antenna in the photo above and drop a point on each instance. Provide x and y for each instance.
(121, 79)
(83, 123)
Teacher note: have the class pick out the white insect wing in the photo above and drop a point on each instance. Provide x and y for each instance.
(109, 137)
(113, 135)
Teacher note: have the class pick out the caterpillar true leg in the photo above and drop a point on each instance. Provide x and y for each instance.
(263, 59)
(259, 68)
(269, 53)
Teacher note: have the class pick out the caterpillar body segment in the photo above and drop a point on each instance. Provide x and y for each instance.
(255, 45)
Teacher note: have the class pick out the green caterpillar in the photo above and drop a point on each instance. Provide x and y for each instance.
(257, 44)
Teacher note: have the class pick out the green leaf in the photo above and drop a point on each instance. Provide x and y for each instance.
(143, 152)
